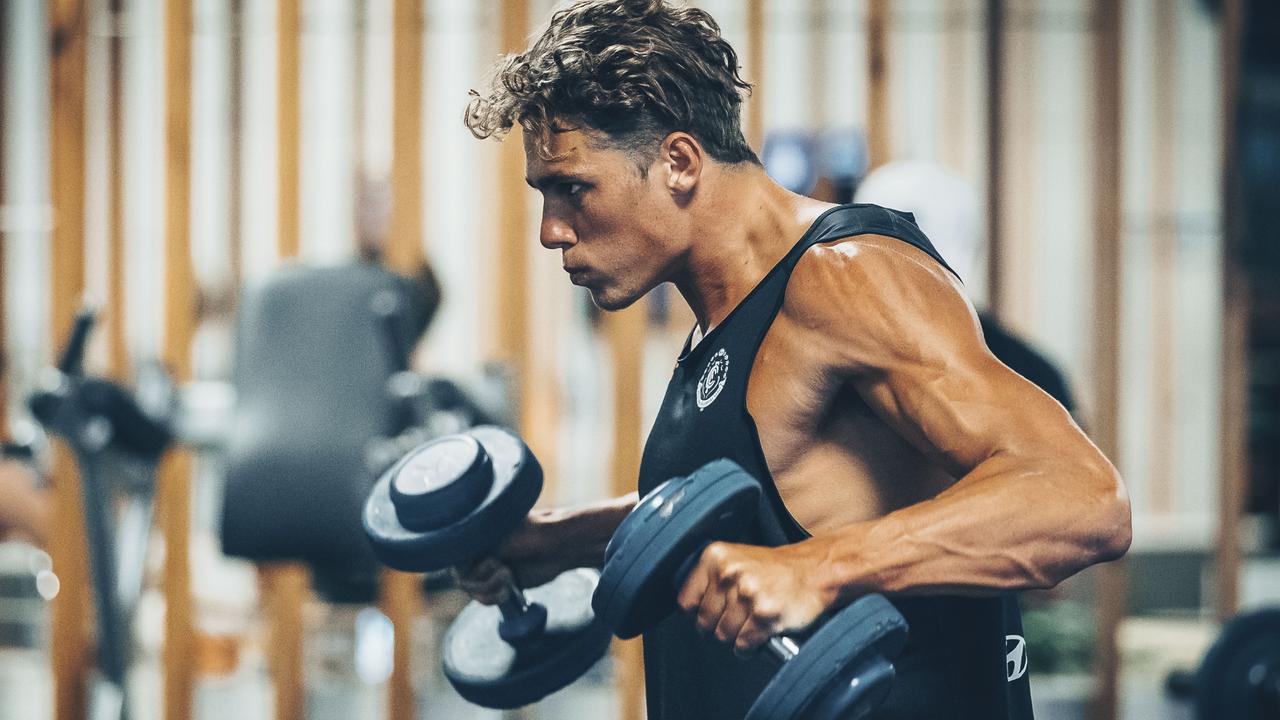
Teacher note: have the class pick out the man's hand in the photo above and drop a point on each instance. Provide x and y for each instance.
(745, 594)
(528, 558)
(547, 544)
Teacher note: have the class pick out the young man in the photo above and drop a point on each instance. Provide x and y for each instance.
(835, 358)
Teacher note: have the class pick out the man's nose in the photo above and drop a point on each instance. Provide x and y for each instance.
(555, 234)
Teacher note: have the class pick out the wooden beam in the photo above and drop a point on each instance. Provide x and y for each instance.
(755, 104)
(5, 374)
(173, 491)
(402, 600)
(625, 333)
(288, 120)
(70, 631)
(285, 588)
(1235, 326)
(995, 152)
(1107, 88)
(117, 343)
(402, 603)
(818, 37)
(287, 585)
(953, 129)
(404, 250)
(879, 137)
(235, 149)
(513, 236)
(1164, 253)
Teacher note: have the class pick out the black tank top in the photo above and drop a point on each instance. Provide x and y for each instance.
(961, 653)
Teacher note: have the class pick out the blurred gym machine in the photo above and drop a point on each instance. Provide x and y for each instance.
(324, 402)
(117, 437)
(321, 401)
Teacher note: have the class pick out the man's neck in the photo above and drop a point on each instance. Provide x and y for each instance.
(744, 224)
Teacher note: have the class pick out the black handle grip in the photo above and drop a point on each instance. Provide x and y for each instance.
(71, 361)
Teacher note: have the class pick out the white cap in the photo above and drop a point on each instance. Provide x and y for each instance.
(945, 206)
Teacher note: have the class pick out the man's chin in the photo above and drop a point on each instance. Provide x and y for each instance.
(611, 301)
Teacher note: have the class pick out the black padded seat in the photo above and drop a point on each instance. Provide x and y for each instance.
(311, 371)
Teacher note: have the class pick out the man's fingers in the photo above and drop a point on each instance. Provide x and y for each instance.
(751, 635)
(487, 580)
(695, 586)
(735, 615)
(713, 605)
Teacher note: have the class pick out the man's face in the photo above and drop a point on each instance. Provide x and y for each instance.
(605, 219)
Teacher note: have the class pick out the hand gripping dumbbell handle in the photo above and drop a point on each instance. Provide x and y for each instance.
(522, 621)
(780, 647)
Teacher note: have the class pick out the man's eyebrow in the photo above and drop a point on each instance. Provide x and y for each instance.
(551, 179)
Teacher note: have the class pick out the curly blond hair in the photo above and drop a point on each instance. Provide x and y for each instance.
(633, 70)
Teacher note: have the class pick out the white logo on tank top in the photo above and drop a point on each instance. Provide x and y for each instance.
(1015, 647)
(713, 379)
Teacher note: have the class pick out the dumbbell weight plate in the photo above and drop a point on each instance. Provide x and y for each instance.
(671, 523)
(1238, 678)
(441, 482)
(489, 672)
(830, 658)
(517, 482)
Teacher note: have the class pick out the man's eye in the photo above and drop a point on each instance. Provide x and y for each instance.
(572, 189)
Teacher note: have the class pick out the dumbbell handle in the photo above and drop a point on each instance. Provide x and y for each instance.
(782, 647)
(522, 621)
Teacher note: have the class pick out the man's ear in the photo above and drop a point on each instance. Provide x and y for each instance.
(681, 158)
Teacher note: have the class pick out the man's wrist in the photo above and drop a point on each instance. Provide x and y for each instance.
(858, 560)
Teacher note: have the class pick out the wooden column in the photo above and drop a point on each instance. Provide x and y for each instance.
(70, 630)
(1235, 324)
(625, 333)
(402, 600)
(5, 374)
(513, 234)
(235, 146)
(173, 491)
(1162, 442)
(404, 249)
(818, 34)
(286, 585)
(995, 150)
(117, 343)
(289, 120)
(879, 149)
(1112, 581)
(755, 104)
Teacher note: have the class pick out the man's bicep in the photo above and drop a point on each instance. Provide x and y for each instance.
(911, 343)
(962, 409)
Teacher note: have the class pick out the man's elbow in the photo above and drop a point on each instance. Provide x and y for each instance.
(1112, 516)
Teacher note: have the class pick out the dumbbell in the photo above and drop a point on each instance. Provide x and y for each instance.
(453, 500)
(1239, 677)
(843, 669)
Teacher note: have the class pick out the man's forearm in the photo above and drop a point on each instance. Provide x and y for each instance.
(1002, 527)
(583, 531)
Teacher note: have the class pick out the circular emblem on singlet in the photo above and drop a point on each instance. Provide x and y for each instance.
(713, 379)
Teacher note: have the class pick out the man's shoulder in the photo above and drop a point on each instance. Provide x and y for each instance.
(882, 272)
